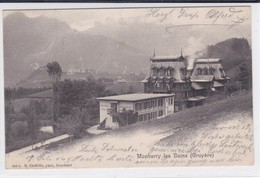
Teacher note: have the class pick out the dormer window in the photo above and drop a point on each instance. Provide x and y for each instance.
(169, 72)
(161, 72)
(184, 71)
(199, 71)
(222, 74)
(211, 71)
(205, 71)
(155, 72)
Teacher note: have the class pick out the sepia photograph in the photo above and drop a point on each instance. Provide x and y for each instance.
(128, 87)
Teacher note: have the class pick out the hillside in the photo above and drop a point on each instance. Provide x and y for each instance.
(224, 125)
(232, 52)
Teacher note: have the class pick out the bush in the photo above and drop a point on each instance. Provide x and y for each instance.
(231, 87)
(19, 129)
(46, 122)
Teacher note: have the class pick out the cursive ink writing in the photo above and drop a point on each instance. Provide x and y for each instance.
(159, 14)
(189, 15)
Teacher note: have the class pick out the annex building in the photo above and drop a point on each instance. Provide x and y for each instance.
(145, 106)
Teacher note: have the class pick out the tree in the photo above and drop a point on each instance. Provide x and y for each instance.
(54, 70)
(80, 93)
(71, 124)
(33, 125)
(9, 109)
(32, 115)
(245, 75)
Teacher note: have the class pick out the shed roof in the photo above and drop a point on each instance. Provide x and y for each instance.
(202, 78)
(217, 84)
(197, 98)
(197, 86)
(208, 60)
(134, 97)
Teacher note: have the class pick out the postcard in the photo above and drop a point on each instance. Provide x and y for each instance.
(128, 87)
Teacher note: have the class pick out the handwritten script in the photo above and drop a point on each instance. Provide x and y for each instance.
(229, 17)
(227, 143)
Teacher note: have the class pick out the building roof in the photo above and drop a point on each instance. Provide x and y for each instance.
(176, 64)
(197, 86)
(208, 60)
(196, 98)
(42, 94)
(134, 97)
(171, 57)
(177, 75)
(216, 66)
(208, 66)
(217, 84)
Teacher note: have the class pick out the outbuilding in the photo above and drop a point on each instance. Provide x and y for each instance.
(146, 106)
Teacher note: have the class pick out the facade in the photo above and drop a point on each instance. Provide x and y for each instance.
(208, 76)
(169, 74)
(146, 106)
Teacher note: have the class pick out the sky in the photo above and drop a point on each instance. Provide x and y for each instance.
(83, 19)
(203, 26)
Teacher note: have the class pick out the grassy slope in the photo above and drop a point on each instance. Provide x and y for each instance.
(181, 122)
(192, 117)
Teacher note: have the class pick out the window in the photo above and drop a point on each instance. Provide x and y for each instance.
(171, 101)
(114, 107)
(145, 105)
(169, 72)
(155, 72)
(155, 103)
(160, 102)
(149, 116)
(164, 85)
(145, 117)
(148, 104)
(199, 71)
(222, 72)
(211, 71)
(184, 72)
(205, 71)
(160, 113)
(162, 72)
(152, 104)
(140, 117)
(136, 106)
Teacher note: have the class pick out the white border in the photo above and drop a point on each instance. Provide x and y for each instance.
(253, 171)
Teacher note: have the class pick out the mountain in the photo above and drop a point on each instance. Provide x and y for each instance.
(25, 41)
(33, 42)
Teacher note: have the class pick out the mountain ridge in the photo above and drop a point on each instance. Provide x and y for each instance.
(38, 44)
